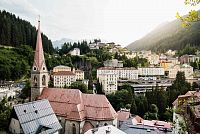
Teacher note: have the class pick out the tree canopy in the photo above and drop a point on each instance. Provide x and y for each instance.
(193, 15)
(179, 86)
(5, 111)
(15, 32)
(79, 85)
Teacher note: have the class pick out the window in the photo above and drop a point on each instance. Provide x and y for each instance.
(35, 81)
(73, 128)
(34, 68)
(43, 68)
(43, 80)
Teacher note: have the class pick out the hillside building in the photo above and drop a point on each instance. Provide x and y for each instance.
(61, 68)
(151, 73)
(187, 59)
(122, 73)
(75, 52)
(79, 74)
(113, 63)
(109, 82)
(63, 78)
(187, 69)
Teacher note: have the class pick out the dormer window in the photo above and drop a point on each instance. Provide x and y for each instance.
(34, 68)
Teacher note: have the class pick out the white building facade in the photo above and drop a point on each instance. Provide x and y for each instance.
(127, 73)
(122, 73)
(109, 82)
(79, 74)
(151, 72)
(64, 78)
(154, 59)
(187, 69)
(75, 52)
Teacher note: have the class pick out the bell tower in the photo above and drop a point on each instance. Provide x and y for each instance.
(39, 72)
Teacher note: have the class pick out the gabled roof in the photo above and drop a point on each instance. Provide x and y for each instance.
(72, 104)
(123, 115)
(87, 126)
(37, 117)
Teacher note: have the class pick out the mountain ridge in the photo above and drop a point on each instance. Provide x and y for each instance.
(59, 43)
(168, 36)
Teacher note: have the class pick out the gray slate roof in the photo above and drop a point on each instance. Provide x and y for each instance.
(129, 128)
(37, 117)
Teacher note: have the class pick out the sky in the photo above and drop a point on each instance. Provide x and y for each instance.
(120, 21)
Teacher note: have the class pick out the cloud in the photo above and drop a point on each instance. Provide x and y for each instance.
(19, 7)
(121, 21)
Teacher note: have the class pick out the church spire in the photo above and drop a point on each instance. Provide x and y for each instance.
(39, 54)
(39, 73)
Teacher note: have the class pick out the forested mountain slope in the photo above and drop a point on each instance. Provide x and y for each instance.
(15, 32)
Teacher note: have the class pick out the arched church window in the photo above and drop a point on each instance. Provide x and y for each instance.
(43, 80)
(34, 68)
(35, 81)
(43, 68)
(73, 128)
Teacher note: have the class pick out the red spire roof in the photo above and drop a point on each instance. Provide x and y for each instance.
(39, 54)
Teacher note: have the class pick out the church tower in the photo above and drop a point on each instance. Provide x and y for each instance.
(39, 72)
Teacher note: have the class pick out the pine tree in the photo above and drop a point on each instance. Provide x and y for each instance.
(133, 109)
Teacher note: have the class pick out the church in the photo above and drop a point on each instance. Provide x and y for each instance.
(77, 112)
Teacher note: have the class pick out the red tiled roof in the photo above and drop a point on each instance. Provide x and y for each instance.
(87, 126)
(175, 102)
(157, 124)
(123, 115)
(75, 105)
(139, 119)
(64, 73)
(187, 95)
